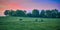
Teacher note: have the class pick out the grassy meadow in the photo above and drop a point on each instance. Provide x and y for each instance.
(28, 23)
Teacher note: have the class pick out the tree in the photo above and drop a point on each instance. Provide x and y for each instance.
(42, 14)
(35, 13)
(20, 13)
(48, 14)
(7, 12)
(12, 13)
(58, 14)
(54, 13)
(25, 13)
(29, 15)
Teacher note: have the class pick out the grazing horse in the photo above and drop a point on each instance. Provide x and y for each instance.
(41, 20)
(20, 19)
(36, 20)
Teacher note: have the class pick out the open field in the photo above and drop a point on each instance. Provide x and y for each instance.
(27, 23)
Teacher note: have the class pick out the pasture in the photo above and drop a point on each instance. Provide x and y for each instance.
(27, 23)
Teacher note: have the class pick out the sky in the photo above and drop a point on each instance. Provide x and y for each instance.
(28, 5)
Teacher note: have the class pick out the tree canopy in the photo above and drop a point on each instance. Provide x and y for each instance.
(35, 13)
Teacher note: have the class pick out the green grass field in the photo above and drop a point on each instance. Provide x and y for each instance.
(27, 23)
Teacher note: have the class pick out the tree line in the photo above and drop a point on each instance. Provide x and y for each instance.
(54, 13)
